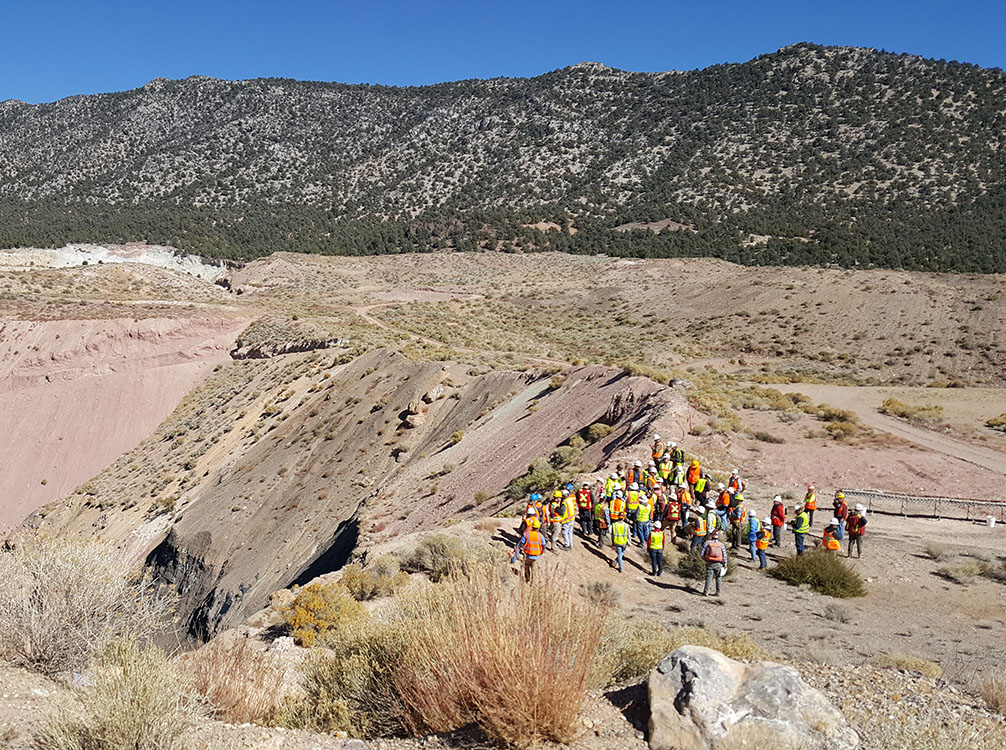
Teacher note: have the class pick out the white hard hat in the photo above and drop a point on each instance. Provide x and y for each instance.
(798, 507)
(860, 508)
(834, 521)
(736, 471)
(586, 483)
(721, 486)
(777, 499)
(673, 444)
(711, 505)
(633, 486)
(656, 524)
(766, 519)
(613, 475)
(656, 437)
(638, 463)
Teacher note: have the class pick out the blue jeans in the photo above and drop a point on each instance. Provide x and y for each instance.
(619, 551)
(657, 561)
(799, 542)
(762, 560)
(567, 534)
(643, 532)
(697, 542)
(753, 546)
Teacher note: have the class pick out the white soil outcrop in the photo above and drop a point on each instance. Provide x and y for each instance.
(76, 394)
(84, 254)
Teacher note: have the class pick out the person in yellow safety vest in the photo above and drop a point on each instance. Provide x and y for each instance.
(810, 503)
(801, 527)
(644, 514)
(619, 540)
(552, 515)
(712, 520)
(632, 506)
(651, 478)
(658, 448)
(664, 467)
(602, 520)
(698, 527)
(611, 484)
(566, 521)
(531, 545)
(655, 543)
(677, 455)
(618, 506)
(702, 487)
(831, 537)
(764, 540)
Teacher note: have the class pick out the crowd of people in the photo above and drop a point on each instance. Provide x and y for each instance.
(673, 500)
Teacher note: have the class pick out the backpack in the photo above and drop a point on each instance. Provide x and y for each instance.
(714, 552)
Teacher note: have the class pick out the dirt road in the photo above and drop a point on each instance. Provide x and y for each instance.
(865, 401)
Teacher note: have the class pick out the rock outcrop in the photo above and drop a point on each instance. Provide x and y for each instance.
(703, 700)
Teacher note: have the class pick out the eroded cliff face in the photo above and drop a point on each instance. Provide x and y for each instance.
(76, 394)
(274, 471)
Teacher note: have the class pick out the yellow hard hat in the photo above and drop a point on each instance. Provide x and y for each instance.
(535, 524)
(557, 493)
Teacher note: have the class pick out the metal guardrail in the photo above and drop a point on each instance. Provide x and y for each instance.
(970, 505)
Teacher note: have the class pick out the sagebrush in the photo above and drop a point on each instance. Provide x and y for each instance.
(823, 571)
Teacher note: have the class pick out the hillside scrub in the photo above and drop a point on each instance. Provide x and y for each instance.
(319, 612)
(823, 571)
(379, 578)
(237, 681)
(997, 423)
(541, 476)
(441, 555)
(63, 601)
(926, 415)
(139, 701)
(908, 663)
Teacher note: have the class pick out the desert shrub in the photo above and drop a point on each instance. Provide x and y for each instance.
(348, 687)
(938, 552)
(836, 613)
(599, 430)
(962, 573)
(457, 437)
(441, 554)
(469, 644)
(635, 369)
(823, 571)
(541, 476)
(830, 414)
(557, 381)
(64, 601)
(628, 651)
(241, 683)
(997, 423)
(601, 593)
(767, 437)
(566, 455)
(922, 414)
(318, 612)
(380, 578)
(841, 430)
(692, 566)
(479, 497)
(993, 691)
(908, 663)
(139, 702)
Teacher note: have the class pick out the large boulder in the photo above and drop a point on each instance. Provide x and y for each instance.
(703, 700)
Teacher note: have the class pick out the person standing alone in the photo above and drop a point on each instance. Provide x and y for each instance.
(714, 552)
(655, 543)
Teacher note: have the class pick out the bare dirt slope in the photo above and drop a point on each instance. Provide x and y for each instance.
(76, 394)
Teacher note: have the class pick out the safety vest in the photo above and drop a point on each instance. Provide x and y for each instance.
(619, 533)
(841, 510)
(664, 468)
(610, 485)
(737, 513)
(828, 540)
(583, 499)
(658, 450)
(700, 485)
(645, 509)
(685, 497)
(673, 511)
(802, 523)
(677, 456)
(700, 526)
(734, 485)
(599, 510)
(633, 475)
(633, 499)
(656, 540)
(567, 511)
(617, 508)
(715, 552)
(679, 474)
(856, 525)
(754, 526)
(534, 543)
(724, 499)
(764, 538)
(651, 481)
(712, 520)
(810, 502)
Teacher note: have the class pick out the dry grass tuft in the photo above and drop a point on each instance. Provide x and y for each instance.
(241, 683)
(382, 577)
(139, 702)
(600, 593)
(908, 663)
(926, 730)
(441, 555)
(938, 552)
(963, 573)
(64, 601)
(993, 692)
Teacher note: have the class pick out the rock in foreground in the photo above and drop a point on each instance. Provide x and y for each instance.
(701, 699)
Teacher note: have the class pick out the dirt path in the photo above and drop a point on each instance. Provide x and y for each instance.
(865, 401)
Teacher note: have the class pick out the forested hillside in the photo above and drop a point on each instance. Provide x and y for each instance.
(808, 155)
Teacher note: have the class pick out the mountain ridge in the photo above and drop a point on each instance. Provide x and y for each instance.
(808, 155)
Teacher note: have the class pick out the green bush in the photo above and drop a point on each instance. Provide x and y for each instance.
(692, 566)
(823, 571)
(599, 430)
(830, 414)
(541, 477)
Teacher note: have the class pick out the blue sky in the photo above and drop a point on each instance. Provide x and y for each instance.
(51, 49)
